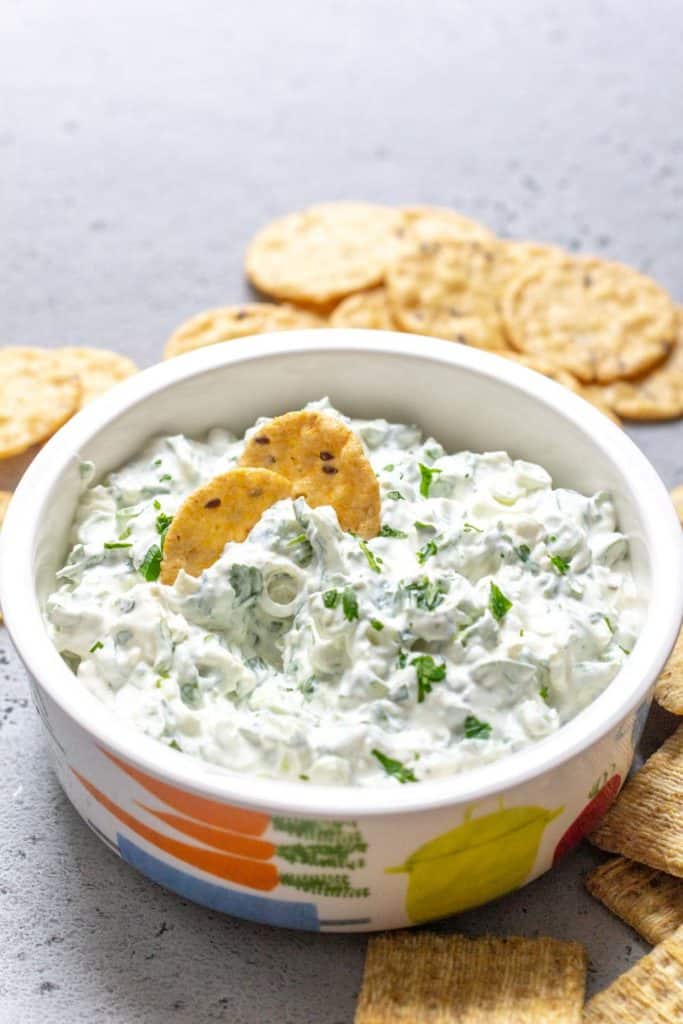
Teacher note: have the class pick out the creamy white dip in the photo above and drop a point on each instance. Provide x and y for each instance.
(489, 611)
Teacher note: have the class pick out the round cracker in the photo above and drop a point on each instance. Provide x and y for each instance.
(229, 322)
(656, 396)
(319, 255)
(224, 509)
(438, 223)
(98, 368)
(677, 498)
(601, 321)
(448, 290)
(36, 398)
(368, 309)
(567, 379)
(325, 462)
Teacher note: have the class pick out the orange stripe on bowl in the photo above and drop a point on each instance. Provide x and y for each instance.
(231, 842)
(252, 873)
(212, 812)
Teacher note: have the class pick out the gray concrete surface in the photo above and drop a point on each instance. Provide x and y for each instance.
(140, 146)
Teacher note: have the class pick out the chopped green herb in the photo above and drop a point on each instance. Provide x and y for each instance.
(609, 624)
(376, 624)
(389, 531)
(426, 551)
(560, 564)
(469, 528)
(428, 672)
(304, 778)
(389, 467)
(190, 695)
(174, 745)
(374, 561)
(523, 552)
(426, 475)
(499, 604)
(395, 496)
(126, 534)
(246, 582)
(111, 545)
(521, 632)
(166, 477)
(331, 598)
(624, 650)
(544, 693)
(402, 659)
(297, 540)
(156, 463)
(157, 504)
(350, 604)
(163, 522)
(428, 593)
(151, 564)
(423, 526)
(395, 768)
(97, 646)
(476, 730)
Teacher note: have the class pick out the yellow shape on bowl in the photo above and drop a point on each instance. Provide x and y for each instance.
(479, 860)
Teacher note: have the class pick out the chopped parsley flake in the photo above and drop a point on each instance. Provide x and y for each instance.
(427, 551)
(97, 646)
(395, 496)
(560, 564)
(423, 526)
(300, 539)
(174, 745)
(523, 552)
(499, 604)
(428, 672)
(157, 504)
(395, 768)
(374, 561)
(376, 624)
(389, 531)
(166, 477)
(389, 467)
(428, 593)
(426, 474)
(544, 693)
(331, 598)
(111, 545)
(475, 729)
(151, 564)
(609, 624)
(350, 604)
(162, 524)
(469, 528)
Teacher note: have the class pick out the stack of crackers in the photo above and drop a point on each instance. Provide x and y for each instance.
(600, 328)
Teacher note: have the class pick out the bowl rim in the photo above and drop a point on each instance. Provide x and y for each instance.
(24, 620)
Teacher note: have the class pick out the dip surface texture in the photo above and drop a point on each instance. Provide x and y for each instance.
(490, 609)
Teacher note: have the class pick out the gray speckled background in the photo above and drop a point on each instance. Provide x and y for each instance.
(140, 146)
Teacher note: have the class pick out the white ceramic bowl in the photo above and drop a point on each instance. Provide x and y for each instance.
(341, 858)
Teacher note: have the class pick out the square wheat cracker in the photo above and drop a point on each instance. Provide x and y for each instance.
(646, 822)
(421, 978)
(648, 900)
(650, 993)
